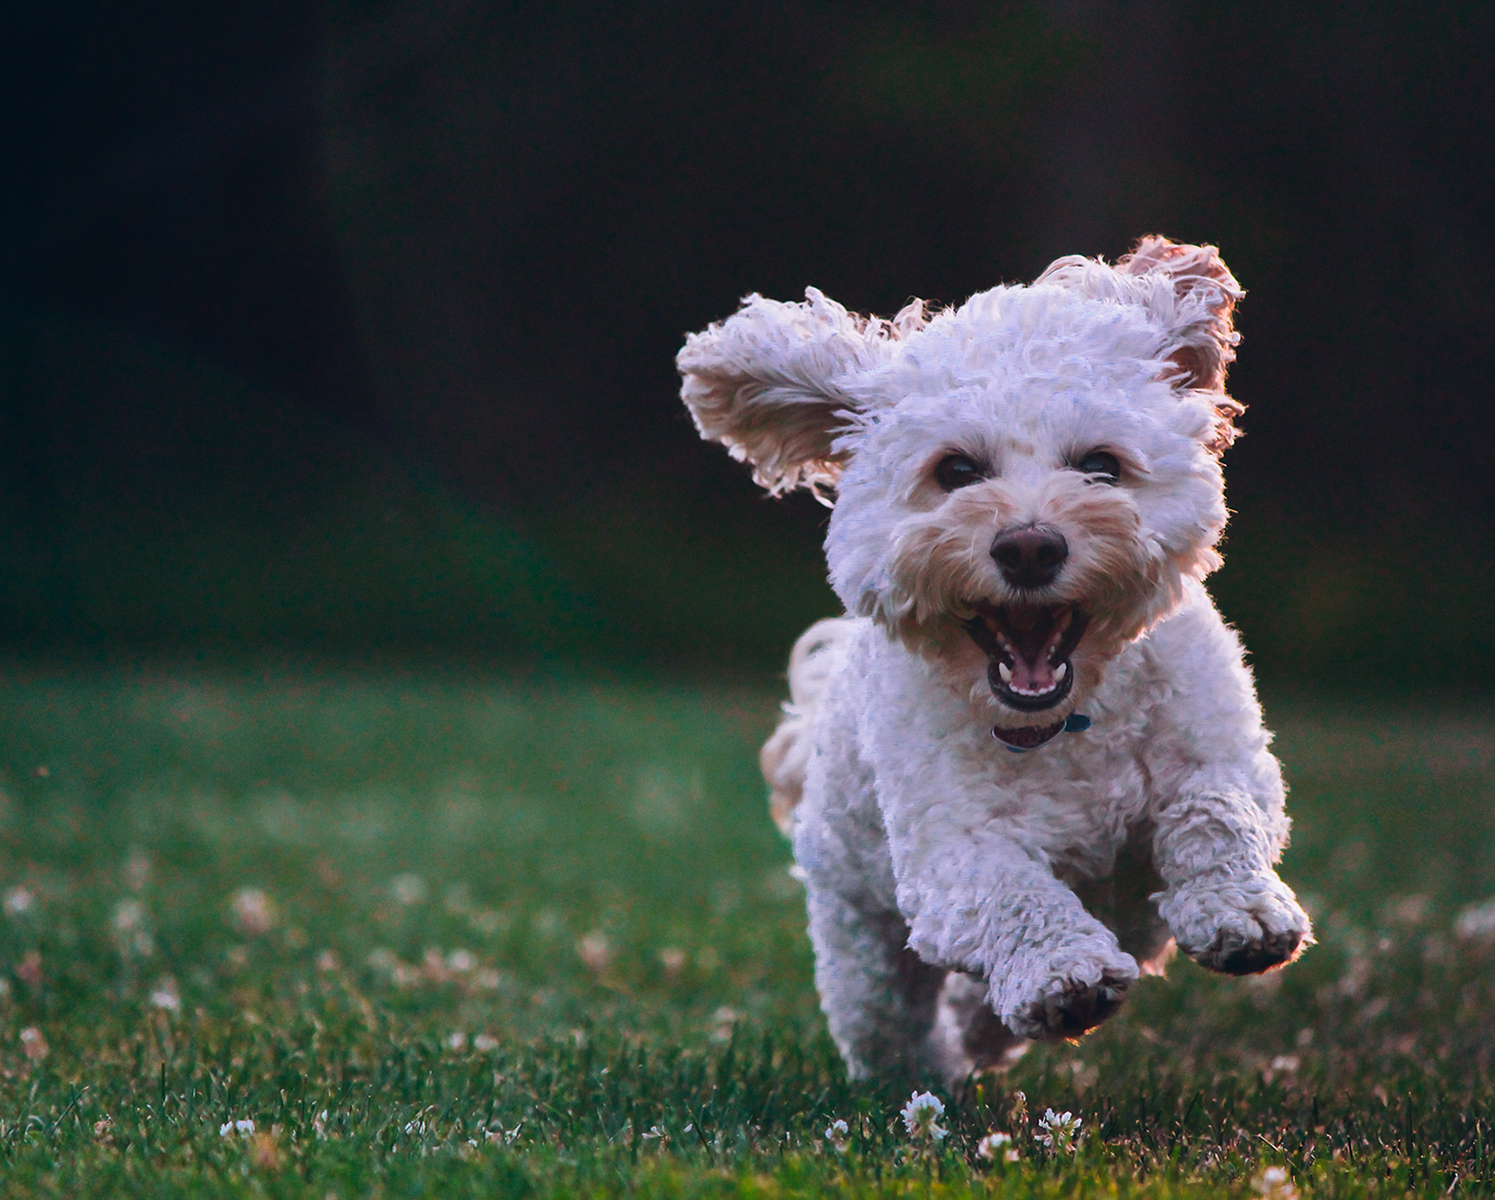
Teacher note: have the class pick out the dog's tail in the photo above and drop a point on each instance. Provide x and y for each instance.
(786, 755)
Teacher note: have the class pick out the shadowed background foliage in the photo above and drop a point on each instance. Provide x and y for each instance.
(350, 326)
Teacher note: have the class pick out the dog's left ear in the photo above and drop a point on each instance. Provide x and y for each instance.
(1200, 318)
(771, 384)
(1191, 295)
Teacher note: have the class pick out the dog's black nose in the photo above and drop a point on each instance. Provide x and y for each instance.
(1031, 557)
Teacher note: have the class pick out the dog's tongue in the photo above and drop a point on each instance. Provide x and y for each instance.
(1032, 677)
(1030, 639)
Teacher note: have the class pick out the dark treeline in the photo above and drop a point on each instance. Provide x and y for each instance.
(355, 324)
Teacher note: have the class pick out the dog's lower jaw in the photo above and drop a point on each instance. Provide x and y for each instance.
(1023, 728)
(1029, 650)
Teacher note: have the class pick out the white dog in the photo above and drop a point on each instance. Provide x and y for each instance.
(1031, 759)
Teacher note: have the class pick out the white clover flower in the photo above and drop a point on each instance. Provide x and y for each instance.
(242, 1127)
(408, 890)
(130, 929)
(319, 1124)
(252, 911)
(502, 1136)
(1060, 1132)
(920, 1114)
(34, 1043)
(1476, 922)
(19, 900)
(1275, 1184)
(997, 1145)
(595, 951)
(836, 1134)
(165, 996)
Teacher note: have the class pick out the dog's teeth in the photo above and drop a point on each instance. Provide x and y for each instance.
(1005, 672)
(1060, 672)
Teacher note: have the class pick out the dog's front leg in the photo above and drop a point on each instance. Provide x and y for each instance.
(984, 905)
(1224, 904)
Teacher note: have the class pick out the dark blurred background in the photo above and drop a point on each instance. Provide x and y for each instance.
(346, 327)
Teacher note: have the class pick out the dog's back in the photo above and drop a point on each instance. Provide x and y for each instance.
(786, 754)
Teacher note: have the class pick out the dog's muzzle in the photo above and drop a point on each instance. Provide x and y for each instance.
(1029, 648)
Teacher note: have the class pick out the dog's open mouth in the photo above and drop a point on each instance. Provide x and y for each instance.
(1029, 646)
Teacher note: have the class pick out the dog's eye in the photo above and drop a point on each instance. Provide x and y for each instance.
(1098, 462)
(957, 471)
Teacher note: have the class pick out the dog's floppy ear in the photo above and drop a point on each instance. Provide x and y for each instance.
(1191, 294)
(770, 383)
(1204, 291)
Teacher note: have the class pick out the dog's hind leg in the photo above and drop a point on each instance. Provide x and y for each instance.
(892, 1013)
(967, 1036)
(880, 999)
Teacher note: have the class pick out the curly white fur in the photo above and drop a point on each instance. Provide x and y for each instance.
(963, 898)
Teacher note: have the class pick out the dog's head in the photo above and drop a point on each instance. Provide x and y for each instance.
(1023, 484)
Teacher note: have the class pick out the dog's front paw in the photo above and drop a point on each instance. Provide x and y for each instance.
(1240, 925)
(1071, 997)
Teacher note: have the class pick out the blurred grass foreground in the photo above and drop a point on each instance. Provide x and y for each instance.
(422, 933)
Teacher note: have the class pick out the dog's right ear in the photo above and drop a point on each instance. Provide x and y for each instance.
(771, 383)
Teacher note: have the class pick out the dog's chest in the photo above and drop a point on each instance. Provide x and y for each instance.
(1074, 802)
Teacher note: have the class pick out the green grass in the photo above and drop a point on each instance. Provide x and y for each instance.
(539, 939)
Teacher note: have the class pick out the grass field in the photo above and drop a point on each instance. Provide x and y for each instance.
(437, 934)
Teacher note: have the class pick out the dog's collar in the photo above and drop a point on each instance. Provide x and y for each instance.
(1031, 738)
